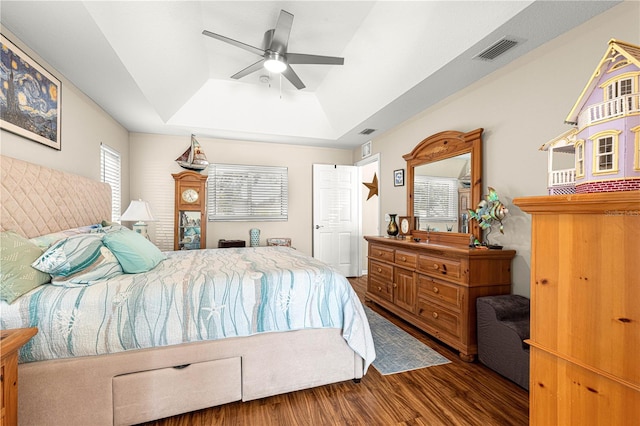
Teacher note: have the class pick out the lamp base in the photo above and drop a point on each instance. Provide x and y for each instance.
(141, 228)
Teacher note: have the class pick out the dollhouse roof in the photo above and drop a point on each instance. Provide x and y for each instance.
(617, 50)
(563, 143)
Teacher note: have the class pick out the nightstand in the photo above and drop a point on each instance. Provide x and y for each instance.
(10, 342)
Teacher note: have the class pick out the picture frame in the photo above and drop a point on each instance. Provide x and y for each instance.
(34, 106)
(398, 177)
(366, 149)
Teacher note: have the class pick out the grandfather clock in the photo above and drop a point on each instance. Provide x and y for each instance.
(190, 225)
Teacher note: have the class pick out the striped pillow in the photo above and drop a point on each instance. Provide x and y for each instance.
(70, 255)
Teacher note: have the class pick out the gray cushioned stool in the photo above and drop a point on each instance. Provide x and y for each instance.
(503, 324)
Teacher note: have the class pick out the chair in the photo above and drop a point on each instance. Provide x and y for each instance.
(503, 324)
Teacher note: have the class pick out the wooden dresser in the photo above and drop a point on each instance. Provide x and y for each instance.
(435, 287)
(10, 342)
(585, 308)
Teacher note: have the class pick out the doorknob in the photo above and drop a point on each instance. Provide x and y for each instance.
(319, 226)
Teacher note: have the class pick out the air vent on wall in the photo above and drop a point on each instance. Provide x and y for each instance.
(367, 131)
(498, 48)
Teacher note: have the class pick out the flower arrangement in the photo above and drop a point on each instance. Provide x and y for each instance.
(489, 210)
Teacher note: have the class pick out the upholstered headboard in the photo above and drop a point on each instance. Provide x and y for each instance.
(37, 200)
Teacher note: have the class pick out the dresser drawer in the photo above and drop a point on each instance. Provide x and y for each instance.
(439, 291)
(381, 271)
(381, 252)
(406, 259)
(445, 321)
(440, 266)
(380, 288)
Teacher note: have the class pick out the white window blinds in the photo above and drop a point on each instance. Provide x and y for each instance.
(247, 193)
(110, 172)
(435, 198)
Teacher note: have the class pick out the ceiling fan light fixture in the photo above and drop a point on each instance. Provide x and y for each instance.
(275, 63)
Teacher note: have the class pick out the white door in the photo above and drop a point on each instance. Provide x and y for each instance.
(335, 217)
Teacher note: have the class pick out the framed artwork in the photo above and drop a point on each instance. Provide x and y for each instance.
(398, 177)
(32, 97)
(366, 149)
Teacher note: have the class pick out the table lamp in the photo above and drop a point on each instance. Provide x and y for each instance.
(139, 212)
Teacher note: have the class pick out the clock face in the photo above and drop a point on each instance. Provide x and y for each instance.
(190, 195)
(404, 226)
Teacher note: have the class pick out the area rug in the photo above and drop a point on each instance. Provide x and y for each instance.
(398, 351)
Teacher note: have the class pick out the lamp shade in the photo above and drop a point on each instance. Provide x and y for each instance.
(138, 211)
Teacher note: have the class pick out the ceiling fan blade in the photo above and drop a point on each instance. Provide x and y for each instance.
(233, 42)
(301, 58)
(293, 78)
(280, 38)
(248, 70)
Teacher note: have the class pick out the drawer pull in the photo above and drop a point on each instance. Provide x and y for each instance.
(379, 269)
(436, 290)
(435, 315)
(404, 259)
(379, 288)
(436, 266)
(395, 285)
(379, 253)
(181, 367)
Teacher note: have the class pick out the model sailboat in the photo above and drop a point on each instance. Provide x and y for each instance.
(194, 157)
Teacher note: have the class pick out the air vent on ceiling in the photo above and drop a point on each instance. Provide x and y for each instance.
(367, 131)
(498, 48)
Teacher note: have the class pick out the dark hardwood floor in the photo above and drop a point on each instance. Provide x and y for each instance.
(458, 393)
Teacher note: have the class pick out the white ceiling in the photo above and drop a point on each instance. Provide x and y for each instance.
(148, 65)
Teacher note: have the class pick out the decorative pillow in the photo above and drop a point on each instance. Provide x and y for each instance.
(17, 277)
(105, 266)
(70, 255)
(134, 252)
(45, 241)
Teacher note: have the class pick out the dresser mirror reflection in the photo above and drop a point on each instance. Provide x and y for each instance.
(444, 181)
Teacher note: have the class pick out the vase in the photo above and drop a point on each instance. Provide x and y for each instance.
(254, 237)
(392, 229)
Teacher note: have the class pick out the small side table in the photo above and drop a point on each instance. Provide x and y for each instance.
(10, 343)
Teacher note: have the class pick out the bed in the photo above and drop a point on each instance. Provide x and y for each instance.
(198, 329)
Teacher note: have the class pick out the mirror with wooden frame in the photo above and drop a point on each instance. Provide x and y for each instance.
(444, 181)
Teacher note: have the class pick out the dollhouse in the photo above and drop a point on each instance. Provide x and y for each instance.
(602, 152)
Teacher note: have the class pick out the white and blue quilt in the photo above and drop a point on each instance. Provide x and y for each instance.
(191, 296)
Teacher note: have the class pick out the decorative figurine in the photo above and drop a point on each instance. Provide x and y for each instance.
(489, 210)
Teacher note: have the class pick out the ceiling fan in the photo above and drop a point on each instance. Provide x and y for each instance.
(275, 57)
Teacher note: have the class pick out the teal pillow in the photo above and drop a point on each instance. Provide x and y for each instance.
(134, 252)
(17, 276)
(70, 255)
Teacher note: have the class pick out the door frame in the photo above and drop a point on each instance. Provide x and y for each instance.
(368, 160)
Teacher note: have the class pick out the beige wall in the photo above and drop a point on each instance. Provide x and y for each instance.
(84, 126)
(520, 106)
(152, 159)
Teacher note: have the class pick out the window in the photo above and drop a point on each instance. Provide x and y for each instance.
(110, 172)
(435, 198)
(619, 88)
(605, 152)
(636, 155)
(247, 193)
(580, 159)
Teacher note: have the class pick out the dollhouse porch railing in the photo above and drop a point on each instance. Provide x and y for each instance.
(618, 107)
(562, 177)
